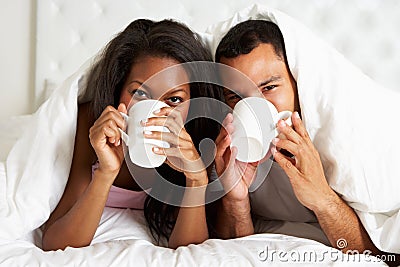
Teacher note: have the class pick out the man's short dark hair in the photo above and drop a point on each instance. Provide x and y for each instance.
(246, 36)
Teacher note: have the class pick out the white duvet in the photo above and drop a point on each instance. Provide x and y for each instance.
(351, 120)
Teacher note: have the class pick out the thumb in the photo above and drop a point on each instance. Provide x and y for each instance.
(232, 159)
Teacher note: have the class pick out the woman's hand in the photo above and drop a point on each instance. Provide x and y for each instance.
(235, 176)
(105, 139)
(182, 154)
(305, 170)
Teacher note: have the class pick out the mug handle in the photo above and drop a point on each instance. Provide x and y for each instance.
(284, 115)
(124, 136)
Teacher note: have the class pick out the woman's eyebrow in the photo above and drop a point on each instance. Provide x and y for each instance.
(141, 84)
(271, 79)
(173, 91)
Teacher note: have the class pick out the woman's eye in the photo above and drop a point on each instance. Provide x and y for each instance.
(140, 94)
(175, 100)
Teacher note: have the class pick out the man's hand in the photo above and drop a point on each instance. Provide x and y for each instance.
(305, 170)
(234, 217)
(306, 175)
(235, 176)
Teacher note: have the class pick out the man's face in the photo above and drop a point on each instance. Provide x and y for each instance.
(271, 75)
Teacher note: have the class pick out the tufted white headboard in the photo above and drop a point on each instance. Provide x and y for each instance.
(71, 31)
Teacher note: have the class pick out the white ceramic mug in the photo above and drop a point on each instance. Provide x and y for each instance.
(254, 120)
(140, 148)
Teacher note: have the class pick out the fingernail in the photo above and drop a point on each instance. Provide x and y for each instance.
(156, 111)
(273, 150)
(282, 123)
(297, 115)
(119, 142)
(156, 149)
(147, 132)
(275, 141)
(144, 121)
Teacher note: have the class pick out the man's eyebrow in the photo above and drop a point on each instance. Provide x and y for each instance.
(229, 92)
(141, 84)
(271, 79)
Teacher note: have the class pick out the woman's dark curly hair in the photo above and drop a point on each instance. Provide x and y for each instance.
(166, 39)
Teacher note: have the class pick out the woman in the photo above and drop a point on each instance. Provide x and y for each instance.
(98, 168)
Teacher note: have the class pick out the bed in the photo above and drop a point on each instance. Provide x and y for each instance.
(29, 190)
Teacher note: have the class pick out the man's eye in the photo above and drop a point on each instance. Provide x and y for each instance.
(232, 97)
(269, 87)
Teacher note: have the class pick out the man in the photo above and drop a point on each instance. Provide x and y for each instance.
(296, 191)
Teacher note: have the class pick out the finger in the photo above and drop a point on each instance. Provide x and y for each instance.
(221, 153)
(107, 122)
(221, 135)
(222, 146)
(228, 180)
(223, 132)
(104, 134)
(299, 126)
(230, 162)
(110, 134)
(111, 113)
(288, 145)
(188, 155)
(167, 122)
(287, 164)
(185, 155)
(232, 159)
(228, 119)
(170, 112)
(170, 153)
(170, 138)
(122, 108)
(289, 133)
(230, 128)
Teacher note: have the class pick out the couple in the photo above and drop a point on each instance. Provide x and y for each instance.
(296, 190)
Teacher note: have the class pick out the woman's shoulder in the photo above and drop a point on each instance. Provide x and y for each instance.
(84, 112)
(85, 118)
(84, 123)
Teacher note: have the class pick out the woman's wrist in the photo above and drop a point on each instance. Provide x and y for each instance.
(196, 179)
(107, 178)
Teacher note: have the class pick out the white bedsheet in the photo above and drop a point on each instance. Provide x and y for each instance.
(36, 154)
(132, 246)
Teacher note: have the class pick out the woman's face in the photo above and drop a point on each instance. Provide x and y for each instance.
(171, 87)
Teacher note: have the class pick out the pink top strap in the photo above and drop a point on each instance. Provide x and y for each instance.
(123, 198)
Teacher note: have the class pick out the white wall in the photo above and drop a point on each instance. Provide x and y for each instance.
(365, 36)
(17, 25)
